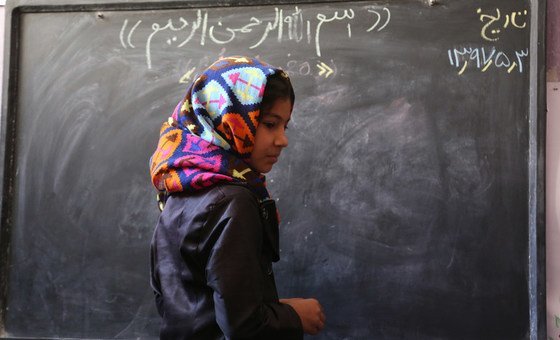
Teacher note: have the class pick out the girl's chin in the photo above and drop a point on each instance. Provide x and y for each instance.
(264, 169)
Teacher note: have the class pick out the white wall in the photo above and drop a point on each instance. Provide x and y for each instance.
(552, 210)
(553, 171)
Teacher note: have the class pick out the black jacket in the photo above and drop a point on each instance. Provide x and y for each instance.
(211, 265)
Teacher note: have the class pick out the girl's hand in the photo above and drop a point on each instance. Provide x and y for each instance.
(310, 312)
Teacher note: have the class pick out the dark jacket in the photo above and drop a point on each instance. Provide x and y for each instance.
(211, 264)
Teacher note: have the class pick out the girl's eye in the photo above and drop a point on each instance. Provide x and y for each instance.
(273, 125)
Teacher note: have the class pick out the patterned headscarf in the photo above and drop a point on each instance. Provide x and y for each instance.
(210, 135)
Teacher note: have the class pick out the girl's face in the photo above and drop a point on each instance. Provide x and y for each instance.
(271, 137)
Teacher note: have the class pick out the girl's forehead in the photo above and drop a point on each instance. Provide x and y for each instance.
(282, 109)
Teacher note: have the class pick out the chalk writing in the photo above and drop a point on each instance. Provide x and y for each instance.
(286, 25)
(292, 68)
(121, 35)
(493, 24)
(304, 68)
(324, 69)
(187, 76)
(379, 16)
(347, 14)
(482, 58)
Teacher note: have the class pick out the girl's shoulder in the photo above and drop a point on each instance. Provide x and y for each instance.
(223, 194)
(236, 191)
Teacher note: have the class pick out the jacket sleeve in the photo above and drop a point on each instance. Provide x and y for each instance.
(236, 275)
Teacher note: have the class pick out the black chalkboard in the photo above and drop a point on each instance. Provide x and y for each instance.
(411, 195)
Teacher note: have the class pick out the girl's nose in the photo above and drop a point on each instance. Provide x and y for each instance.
(281, 139)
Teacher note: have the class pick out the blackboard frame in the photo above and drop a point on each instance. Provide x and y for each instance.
(537, 126)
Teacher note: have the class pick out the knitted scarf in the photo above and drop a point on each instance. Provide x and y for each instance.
(209, 137)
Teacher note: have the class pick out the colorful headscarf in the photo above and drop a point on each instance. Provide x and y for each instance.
(211, 133)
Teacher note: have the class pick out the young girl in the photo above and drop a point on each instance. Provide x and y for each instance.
(217, 236)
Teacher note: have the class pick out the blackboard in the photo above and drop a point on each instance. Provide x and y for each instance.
(411, 195)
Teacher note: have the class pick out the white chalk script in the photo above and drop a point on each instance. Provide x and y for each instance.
(286, 25)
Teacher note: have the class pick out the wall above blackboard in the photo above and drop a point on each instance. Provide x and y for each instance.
(411, 195)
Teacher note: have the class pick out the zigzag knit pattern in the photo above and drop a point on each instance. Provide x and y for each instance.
(211, 133)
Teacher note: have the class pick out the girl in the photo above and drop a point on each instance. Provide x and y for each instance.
(217, 236)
